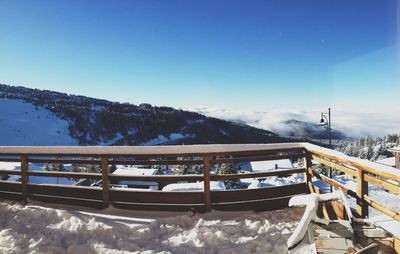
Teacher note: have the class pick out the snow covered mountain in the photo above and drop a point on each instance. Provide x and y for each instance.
(41, 117)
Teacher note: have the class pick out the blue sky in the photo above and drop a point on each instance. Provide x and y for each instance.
(254, 55)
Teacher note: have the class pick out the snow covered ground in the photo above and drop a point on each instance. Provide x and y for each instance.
(26, 124)
(38, 229)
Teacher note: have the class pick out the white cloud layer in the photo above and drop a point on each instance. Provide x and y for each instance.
(353, 123)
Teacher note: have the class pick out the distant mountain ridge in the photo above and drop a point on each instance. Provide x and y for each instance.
(90, 121)
(302, 129)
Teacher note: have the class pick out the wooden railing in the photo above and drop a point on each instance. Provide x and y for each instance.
(362, 171)
(207, 157)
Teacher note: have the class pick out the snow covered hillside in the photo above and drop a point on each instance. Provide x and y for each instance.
(37, 229)
(41, 117)
(22, 123)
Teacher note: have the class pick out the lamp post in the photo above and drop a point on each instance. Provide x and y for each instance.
(326, 121)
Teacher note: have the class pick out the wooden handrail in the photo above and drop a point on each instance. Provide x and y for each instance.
(364, 172)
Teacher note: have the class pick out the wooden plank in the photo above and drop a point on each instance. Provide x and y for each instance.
(66, 161)
(68, 201)
(393, 214)
(361, 190)
(10, 172)
(256, 175)
(257, 158)
(207, 192)
(156, 197)
(24, 177)
(105, 169)
(65, 174)
(11, 196)
(65, 191)
(254, 205)
(332, 164)
(396, 247)
(157, 178)
(383, 184)
(10, 186)
(146, 151)
(257, 206)
(10, 159)
(257, 194)
(159, 207)
(332, 210)
(334, 183)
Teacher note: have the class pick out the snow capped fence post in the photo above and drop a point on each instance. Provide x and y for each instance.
(362, 189)
(24, 178)
(105, 169)
(207, 194)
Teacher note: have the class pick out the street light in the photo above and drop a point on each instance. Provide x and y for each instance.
(326, 121)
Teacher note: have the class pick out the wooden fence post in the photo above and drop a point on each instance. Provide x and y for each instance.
(105, 169)
(207, 194)
(307, 175)
(24, 178)
(362, 189)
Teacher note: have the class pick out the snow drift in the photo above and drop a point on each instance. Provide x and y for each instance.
(36, 229)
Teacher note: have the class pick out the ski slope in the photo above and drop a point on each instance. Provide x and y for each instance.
(23, 123)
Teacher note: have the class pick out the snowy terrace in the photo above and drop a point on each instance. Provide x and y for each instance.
(362, 173)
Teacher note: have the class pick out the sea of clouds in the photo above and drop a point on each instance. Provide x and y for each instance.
(353, 123)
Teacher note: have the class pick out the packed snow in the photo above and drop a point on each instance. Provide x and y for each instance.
(38, 229)
(391, 161)
(311, 202)
(27, 124)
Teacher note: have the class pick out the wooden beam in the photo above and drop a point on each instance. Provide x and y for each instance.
(244, 195)
(334, 183)
(362, 189)
(157, 178)
(10, 172)
(394, 188)
(355, 164)
(106, 181)
(256, 175)
(24, 177)
(207, 194)
(382, 208)
(65, 174)
(334, 165)
(307, 176)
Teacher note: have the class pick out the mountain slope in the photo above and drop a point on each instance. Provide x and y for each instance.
(22, 123)
(54, 118)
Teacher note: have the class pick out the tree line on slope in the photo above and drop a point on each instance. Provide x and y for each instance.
(101, 122)
(371, 148)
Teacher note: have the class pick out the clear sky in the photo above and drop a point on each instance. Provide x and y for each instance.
(256, 55)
